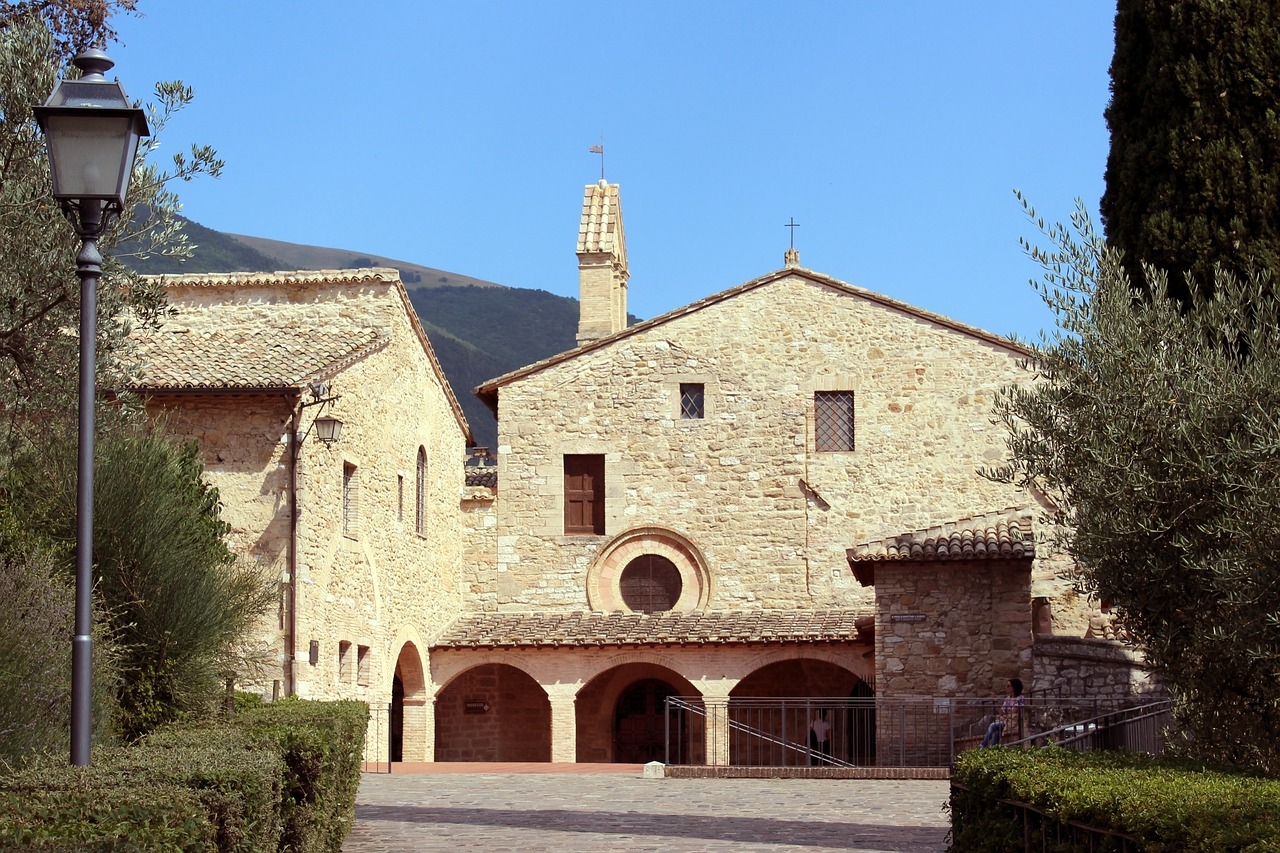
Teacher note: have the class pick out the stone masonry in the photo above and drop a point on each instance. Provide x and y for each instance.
(770, 517)
(231, 369)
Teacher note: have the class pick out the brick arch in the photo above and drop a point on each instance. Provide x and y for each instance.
(447, 668)
(409, 724)
(855, 660)
(603, 593)
(493, 712)
(597, 708)
(786, 697)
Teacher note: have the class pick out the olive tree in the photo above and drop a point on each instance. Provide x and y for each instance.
(1154, 424)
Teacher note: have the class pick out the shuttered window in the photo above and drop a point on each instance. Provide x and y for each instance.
(584, 494)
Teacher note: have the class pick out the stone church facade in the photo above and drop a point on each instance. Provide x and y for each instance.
(771, 493)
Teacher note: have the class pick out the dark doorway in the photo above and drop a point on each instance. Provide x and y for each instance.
(640, 722)
(862, 725)
(397, 718)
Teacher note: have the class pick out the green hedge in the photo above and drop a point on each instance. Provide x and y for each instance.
(321, 745)
(280, 777)
(1166, 805)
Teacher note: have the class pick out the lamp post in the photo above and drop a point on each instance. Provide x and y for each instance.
(92, 132)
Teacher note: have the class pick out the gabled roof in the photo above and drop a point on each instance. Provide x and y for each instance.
(488, 392)
(269, 349)
(510, 630)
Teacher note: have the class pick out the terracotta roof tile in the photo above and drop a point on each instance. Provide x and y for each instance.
(1003, 535)
(600, 230)
(496, 630)
(175, 357)
(482, 477)
(276, 348)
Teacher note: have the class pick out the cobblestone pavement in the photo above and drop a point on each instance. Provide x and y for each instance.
(580, 812)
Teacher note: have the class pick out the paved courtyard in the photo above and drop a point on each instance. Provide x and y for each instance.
(607, 810)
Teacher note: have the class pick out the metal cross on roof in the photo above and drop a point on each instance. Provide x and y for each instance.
(793, 225)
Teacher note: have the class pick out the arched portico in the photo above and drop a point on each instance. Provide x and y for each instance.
(622, 716)
(774, 708)
(493, 712)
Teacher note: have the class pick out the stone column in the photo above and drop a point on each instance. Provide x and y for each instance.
(419, 729)
(564, 722)
(715, 698)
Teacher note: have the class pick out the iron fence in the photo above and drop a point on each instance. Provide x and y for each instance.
(894, 732)
(1140, 728)
(377, 740)
(397, 732)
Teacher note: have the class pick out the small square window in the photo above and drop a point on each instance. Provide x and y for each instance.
(691, 401)
(833, 420)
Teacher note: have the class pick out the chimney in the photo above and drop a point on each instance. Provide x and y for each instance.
(602, 264)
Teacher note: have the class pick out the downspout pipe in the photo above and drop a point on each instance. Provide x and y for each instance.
(291, 602)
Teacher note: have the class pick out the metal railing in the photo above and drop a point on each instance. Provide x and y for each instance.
(377, 740)
(1140, 728)
(397, 732)
(894, 732)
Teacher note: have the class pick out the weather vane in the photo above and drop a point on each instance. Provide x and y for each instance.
(793, 225)
(599, 149)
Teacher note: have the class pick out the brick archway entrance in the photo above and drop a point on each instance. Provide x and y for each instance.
(775, 706)
(621, 716)
(640, 722)
(408, 724)
(493, 712)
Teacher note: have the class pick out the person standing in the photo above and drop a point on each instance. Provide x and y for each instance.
(820, 739)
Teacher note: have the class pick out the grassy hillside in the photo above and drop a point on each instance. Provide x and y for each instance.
(214, 252)
(480, 333)
(299, 257)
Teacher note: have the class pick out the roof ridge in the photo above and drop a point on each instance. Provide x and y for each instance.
(250, 279)
(487, 390)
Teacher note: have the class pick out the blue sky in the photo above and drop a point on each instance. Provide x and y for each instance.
(456, 135)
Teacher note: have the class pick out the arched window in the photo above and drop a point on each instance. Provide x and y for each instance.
(650, 584)
(420, 520)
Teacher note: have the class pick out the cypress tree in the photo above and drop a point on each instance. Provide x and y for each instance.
(1193, 177)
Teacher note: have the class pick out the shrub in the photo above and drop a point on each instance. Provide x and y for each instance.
(321, 745)
(282, 777)
(35, 629)
(1167, 805)
(69, 808)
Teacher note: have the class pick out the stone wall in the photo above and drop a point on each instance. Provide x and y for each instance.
(377, 585)
(771, 517)
(954, 628)
(479, 577)
(1086, 667)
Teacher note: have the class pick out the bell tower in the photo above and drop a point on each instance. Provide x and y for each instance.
(602, 264)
